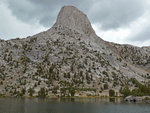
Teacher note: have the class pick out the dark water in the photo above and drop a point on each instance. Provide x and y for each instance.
(76, 105)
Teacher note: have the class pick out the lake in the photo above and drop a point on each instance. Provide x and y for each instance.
(70, 105)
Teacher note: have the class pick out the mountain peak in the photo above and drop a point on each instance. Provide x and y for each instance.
(71, 17)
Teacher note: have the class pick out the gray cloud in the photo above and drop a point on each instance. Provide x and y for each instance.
(144, 35)
(11, 27)
(113, 14)
(43, 11)
(31, 12)
(110, 14)
(105, 14)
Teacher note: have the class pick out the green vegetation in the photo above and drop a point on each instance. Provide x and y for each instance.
(1, 95)
(125, 91)
(111, 93)
(105, 86)
(140, 90)
(31, 91)
(68, 91)
(23, 91)
(54, 90)
(42, 93)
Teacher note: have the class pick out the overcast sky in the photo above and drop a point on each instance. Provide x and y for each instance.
(120, 21)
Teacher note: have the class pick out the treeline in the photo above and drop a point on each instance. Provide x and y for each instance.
(140, 89)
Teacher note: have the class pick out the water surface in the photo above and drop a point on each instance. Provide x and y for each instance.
(68, 105)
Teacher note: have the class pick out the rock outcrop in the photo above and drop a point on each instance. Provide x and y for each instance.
(69, 58)
(71, 17)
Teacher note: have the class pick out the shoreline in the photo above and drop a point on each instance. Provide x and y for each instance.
(140, 99)
(62, 97)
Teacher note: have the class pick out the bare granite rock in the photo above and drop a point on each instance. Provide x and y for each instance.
(71, 17)
(70, 56)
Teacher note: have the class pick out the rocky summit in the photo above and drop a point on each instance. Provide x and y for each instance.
(69, 59)
(74, 19)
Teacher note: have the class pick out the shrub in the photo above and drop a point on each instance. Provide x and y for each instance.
(42, 93)
(31, 91)
(105, 86)
(111, 92)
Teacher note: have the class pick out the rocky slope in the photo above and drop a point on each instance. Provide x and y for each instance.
(69, 58)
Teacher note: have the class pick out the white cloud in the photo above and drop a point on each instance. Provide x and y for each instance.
(137, 33)
(11, 27)
(117, 35)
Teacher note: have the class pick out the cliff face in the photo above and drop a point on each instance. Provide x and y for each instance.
(69, 55)
(74, 19)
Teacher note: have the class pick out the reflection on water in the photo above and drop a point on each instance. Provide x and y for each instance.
(70, 105)
(89, 100)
